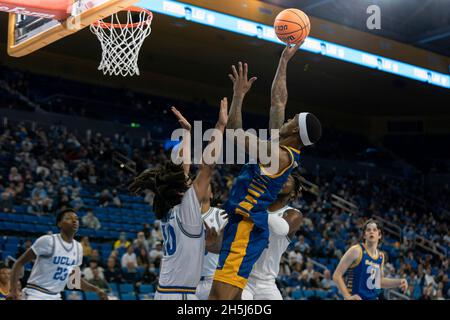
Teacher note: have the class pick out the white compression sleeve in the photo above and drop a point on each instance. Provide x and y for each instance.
(278, 225)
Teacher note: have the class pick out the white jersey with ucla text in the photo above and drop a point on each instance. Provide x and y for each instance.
(184, 247)
(214, 219)
(55, 260)
(261, 283)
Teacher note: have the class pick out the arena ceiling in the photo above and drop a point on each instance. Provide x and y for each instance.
(422, 23)
(182, 49)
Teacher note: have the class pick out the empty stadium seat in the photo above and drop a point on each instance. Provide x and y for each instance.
(91, 296)
(297, 294)
(309, 293)
(126, 288)
(128, 296)
(147, 296)
(146, 288)
(73, 295)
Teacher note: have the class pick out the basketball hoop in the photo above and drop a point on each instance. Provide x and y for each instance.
(121, 42)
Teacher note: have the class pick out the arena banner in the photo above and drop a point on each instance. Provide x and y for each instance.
(50, 9)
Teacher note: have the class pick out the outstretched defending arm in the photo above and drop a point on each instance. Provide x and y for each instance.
(184, 150)
(203, 179)
(241, 85)
(279, 93)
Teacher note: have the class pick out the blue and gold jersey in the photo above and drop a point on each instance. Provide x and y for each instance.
(253, 191)
(3, 295)
(364, 276)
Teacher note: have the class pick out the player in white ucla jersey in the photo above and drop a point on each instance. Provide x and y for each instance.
(364, 264)
(284, 222)
(177, 204)
(215, 220)
(55, 257)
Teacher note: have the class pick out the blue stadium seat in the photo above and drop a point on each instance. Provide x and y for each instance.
(309, 293)
(12, 239)
(73, 295)
(126, 288)
(147, 288)
(2, 226)
(149, 296)
(114, 287)
(297, 294)
(128, 296)
(3, 216)
(11, 247)
(91, 296)
(321, 294)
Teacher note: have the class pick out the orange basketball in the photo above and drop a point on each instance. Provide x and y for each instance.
(292, 26)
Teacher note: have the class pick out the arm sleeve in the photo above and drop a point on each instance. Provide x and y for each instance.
(278, 225)
(43, 246)
(189, 216)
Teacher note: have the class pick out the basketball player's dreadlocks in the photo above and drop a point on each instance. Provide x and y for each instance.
(297, 182)
(168, 182)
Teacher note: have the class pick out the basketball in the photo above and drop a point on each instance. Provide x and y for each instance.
(292, 26)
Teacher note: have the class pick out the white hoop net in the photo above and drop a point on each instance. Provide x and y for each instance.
(121, 42)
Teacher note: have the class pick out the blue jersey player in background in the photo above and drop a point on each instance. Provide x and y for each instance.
(364, 264)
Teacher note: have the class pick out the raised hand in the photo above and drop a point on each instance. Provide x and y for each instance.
(223, 114)
(241, 83)
(290, 50)
(181, 119)
(404, 285)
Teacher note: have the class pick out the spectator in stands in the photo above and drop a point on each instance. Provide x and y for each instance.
(129, 259)
(143, 259)
(327, 282)
(429, 278)
(308, 275)
(14, 175)
(116, 200)
(149, 276)
(87, 249)
(295, 256)
(302, 245)
(147, 233)
(156, 232)
(140, 242)
(98, 280)
(105, 198)
(96, 257)
(90, 220)
(112, 272)
(156, 254)
(7, 201)
(122, 242)
(88, 272)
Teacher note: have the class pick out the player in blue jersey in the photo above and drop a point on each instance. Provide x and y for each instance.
(5, 275)
(364, 264)
(258, 185)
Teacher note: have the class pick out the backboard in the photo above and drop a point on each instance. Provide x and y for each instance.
(34, 24)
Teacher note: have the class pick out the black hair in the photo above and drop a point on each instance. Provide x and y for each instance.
(168, 182)
(61, 214)
(313, 127)
(298, 186)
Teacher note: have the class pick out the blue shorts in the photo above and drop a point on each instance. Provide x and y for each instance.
(243, 243)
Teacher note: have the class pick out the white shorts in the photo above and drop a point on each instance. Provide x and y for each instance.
(33, 294)
(204, 288)
(174, 296)
(261, 290)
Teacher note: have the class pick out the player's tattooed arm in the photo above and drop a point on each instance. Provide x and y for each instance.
(16, 273)
(86, 286)
(279, 93)
(241, 85)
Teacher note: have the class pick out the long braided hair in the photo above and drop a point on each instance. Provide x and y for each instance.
(168, 182)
